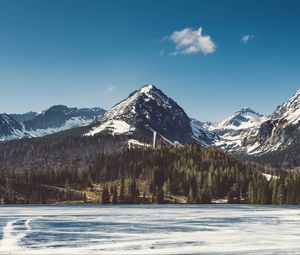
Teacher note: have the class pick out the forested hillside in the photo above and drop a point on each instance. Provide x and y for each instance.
(101, 169)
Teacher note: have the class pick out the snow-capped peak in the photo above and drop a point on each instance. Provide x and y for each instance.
(246, 110)
(233, 130)
(152, 92)
(146, 109)
(242, 119)
(147, 88)
(138, 99)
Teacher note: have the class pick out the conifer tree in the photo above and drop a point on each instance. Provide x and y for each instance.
(122, 191)
(190, 198)
(160, 195)
(114, 196)
(280, 194)
(105, 195)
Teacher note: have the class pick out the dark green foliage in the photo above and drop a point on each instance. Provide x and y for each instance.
(283, 189)
(105, 196)
(133, 193)
(114, 195)
(121, 198)
(160, 196)
(199, 174)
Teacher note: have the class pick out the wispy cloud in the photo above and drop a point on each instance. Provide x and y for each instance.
(189, 41)
(246, 38)
(109, 89)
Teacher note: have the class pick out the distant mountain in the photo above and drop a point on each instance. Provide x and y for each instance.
(242, 119)
(9, 128)
(279, 132)
(23, 116)
(233, 130)
(60, 117)
(55, 119)
(145, 110)
(274, 139)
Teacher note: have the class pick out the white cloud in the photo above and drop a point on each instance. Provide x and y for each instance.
(246, 38)
(189, 41)
(109, 89)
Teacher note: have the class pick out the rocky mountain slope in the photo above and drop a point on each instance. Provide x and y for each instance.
(274, 139)
(9, 128)
(21, 117)
(149, 109)
(279, 132)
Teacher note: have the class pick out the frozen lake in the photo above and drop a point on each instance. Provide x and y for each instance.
(154, 229)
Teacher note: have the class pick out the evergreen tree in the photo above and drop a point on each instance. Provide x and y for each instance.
(274, 192)
(251, 194)
(122, 191)
(280, 194)
(160, 196)
(105, 195)
(167, 187)
(114, 195)
(133, 192)
(190, 198)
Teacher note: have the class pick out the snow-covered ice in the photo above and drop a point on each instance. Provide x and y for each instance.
(149, 229)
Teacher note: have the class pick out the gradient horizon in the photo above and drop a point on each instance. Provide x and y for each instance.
(94, 53)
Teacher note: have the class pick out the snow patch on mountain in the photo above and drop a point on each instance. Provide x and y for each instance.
(202, 135)
(16, 134)
(133, 143)
(73, 122)
(269, 177)
(114, 127)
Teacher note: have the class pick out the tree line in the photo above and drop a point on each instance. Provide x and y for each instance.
(200, 175)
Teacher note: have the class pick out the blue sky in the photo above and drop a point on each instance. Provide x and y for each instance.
(94, 53)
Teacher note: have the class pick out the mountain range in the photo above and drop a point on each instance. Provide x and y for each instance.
(55, 119)
(246, 133)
